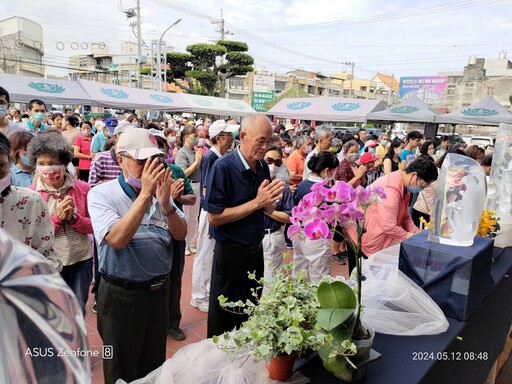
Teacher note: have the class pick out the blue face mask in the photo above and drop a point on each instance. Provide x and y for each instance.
(25, 160)
(135, 124)
(414, 189)
(3, 110)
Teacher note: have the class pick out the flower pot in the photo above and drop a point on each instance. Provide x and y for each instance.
(281, 368)
(360, 359)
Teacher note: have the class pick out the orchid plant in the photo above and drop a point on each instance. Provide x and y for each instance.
(324, 209)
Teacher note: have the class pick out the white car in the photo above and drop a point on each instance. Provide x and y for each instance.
(481, 141)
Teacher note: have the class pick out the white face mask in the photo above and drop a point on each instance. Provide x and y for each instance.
(273, 170)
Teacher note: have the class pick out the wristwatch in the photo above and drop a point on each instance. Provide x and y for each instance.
(73, 219)
(170, 213)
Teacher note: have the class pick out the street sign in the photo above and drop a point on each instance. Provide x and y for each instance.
(260, 98)
(113, 66)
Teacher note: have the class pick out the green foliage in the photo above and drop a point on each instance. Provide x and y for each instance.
(145, 71)
(510, 99)
(282, 322)
(179, 64)
(234, 46)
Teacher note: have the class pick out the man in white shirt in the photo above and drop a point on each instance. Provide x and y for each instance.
(323, 141)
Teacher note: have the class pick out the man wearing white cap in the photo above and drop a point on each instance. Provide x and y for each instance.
(133, 218)
(221, 135)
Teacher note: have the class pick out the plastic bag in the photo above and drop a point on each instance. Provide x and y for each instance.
(393, 304)
(204, 363)
(42, 330)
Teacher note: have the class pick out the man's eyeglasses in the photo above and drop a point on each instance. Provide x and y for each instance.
(271, 161)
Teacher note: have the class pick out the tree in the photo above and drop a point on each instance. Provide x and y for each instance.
(211, 64)
(145, 71)
(510, 99)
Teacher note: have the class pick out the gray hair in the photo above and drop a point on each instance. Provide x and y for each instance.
(299, 141)
(50, 144)
(251, 119)
(349, 144)
(322, 133)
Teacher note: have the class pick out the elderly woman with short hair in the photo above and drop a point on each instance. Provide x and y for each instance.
(66, 200)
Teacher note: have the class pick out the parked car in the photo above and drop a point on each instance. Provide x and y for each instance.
(481, 141)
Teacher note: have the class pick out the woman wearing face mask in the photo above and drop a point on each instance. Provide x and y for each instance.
(172, 145)
(392, 160)
(189, 159)
(427, 150)
(66, 202)
(22, 171)
(82, 151)
(314, 256)
(274, 241)
(388, 222)
(350, 171)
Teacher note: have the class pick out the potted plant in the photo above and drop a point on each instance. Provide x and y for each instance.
(339, 206)
(281, 325)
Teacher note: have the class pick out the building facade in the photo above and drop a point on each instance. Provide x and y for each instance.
(21, 47)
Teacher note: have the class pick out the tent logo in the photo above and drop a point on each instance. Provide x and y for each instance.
(114, 93)
(479, 112)
(46, 87)
(345, 107)
(236, 105)
(161, 99)
(204, 103)
(298, 105)
(404, 109)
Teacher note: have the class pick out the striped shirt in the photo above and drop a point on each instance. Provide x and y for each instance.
(104, 167)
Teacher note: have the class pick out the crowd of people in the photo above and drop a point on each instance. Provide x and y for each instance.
(122, 201)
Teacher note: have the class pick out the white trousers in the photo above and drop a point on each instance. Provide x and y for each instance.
(313, 256)
(191, 214)
(273, 248)
(202, 268)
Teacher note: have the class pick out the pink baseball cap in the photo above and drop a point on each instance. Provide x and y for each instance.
(367, 158)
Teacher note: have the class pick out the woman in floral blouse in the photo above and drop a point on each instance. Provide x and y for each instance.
(23, 213)
(66, 201)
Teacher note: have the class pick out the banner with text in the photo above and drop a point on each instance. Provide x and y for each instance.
(430, 89)
(260, 98)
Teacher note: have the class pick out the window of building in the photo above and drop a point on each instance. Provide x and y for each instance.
(237, 82)
(490, 91)
(280, 86)
(450, 89)
(464, 105)
(236, 96)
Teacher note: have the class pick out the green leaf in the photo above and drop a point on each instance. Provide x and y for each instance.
(336, 295)
(336, 365)
(330, 318)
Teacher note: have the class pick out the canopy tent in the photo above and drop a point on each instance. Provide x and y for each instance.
(83, 92)
(294, 92)
(326, 108)
(484, 112)
(215, 105)
(22, 89)
(108, 95)
(412, 110)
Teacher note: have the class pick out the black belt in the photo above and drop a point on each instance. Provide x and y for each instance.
(194, 181)
(151, 285)
(250, 248)
(269, 231)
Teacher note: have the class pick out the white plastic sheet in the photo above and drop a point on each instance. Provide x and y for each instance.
(393, 304)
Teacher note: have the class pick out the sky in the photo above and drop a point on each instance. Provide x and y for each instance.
(396, 37)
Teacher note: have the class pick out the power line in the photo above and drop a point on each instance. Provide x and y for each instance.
(379, 18)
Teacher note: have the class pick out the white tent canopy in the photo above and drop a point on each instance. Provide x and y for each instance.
(484, 112)
(22, 89)
(412, 110)
(83, 92)
(108, 95)
(326, 108)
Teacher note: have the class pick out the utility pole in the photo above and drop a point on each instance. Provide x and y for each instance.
(139, 77)
(391, 89)
(351, 63)
(223, 34)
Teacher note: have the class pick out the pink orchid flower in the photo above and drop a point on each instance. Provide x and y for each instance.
(317, 229)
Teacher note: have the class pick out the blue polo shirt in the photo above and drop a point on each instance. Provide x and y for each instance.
(232, 183)
(285, 204)
(32, 127)
(206, 166)
(405, 153)
(19, 177)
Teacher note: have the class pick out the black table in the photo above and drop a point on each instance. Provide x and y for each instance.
(471, 347)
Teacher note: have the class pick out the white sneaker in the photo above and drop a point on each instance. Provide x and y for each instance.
(192, 250)
(187, 252)
(203, 307)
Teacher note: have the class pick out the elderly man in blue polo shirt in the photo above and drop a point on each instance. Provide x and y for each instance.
(133, 218)
(238, 193)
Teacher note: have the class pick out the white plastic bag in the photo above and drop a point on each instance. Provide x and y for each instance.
(204, 363)
(393, 304)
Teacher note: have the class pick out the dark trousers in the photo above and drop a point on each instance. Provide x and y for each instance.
(79, 276)
(231, 263)
(133, 322)
(97, 273)
(352, 259)
(175, 276)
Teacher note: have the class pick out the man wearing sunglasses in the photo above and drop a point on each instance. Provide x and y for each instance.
(133, 218)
